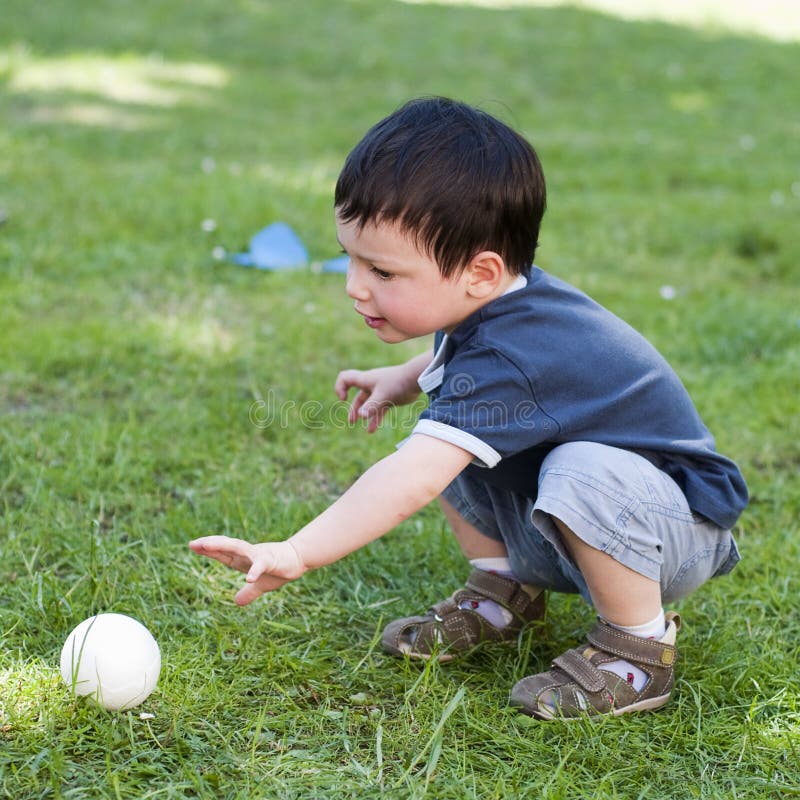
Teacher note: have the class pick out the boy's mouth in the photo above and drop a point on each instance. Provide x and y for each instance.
(373, 322)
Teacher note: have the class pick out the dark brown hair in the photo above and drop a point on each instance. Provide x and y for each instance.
(455, 178)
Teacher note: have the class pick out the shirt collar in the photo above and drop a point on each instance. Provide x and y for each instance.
(433, 374)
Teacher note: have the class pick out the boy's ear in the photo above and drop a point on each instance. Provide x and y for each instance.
(485, 272)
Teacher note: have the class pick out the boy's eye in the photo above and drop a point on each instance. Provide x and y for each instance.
(384, 276)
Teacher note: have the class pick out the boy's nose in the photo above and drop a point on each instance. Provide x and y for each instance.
(354, 286)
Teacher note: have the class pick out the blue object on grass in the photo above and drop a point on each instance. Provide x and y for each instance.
(336, 264)
(275, 247)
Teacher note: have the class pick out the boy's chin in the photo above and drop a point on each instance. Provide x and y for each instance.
(392, 336)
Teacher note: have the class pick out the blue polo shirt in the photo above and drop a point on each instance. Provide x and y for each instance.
(544, 364)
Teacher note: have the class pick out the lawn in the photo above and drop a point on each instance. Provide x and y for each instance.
(151, 391)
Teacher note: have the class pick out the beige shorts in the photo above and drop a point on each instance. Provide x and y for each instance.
(614, 500)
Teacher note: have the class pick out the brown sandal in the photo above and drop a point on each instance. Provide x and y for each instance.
(576, 686)
(448, 629)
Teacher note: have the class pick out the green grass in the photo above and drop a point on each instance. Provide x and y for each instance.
(130, 359)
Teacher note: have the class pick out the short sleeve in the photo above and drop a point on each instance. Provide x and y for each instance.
(486, 405)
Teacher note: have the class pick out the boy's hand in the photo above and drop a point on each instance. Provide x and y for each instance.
(379, 390)
(268, 566)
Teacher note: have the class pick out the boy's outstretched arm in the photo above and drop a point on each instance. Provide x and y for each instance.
(385, 495)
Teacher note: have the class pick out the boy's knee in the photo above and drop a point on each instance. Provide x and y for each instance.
(619, 503)
(600, 493)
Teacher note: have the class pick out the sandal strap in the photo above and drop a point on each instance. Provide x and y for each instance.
(581, 670)
(444, 608)
(632, 648)
(506, 591)
(456, 623)
(461, 630)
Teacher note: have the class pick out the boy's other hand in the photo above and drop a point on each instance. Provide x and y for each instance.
(268, 566)
(379, 390)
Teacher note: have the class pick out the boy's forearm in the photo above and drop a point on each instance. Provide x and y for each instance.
(383, 497)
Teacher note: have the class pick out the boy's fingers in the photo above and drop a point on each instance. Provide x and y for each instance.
(375, 418)
(252, 591)
(340, 386)
(375, 406)
(247, 594)
(232, 552)
(220, 543)
(344, 380)
(263, 562)
(356, 407)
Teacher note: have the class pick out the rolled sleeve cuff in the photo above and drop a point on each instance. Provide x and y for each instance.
(485, 455)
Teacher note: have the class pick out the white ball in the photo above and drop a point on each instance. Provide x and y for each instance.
(113, 658)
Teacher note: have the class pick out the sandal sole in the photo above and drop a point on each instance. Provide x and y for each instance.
(423, 656)
(405, 651)
(650, 704)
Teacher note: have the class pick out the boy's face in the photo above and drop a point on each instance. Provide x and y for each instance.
(397, 289)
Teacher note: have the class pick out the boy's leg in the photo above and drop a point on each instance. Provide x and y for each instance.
(624, 528)
(596, 501)
(472, 542)
(483, 553)
(621, 596)
(493, 605)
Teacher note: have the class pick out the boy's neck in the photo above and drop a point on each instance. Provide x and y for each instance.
(514, 282)
(508, 283)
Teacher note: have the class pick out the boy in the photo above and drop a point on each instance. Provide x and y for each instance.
(564, 451)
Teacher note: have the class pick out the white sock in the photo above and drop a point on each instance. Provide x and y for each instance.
(629, 672)
(492, 612)
(499, 566)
